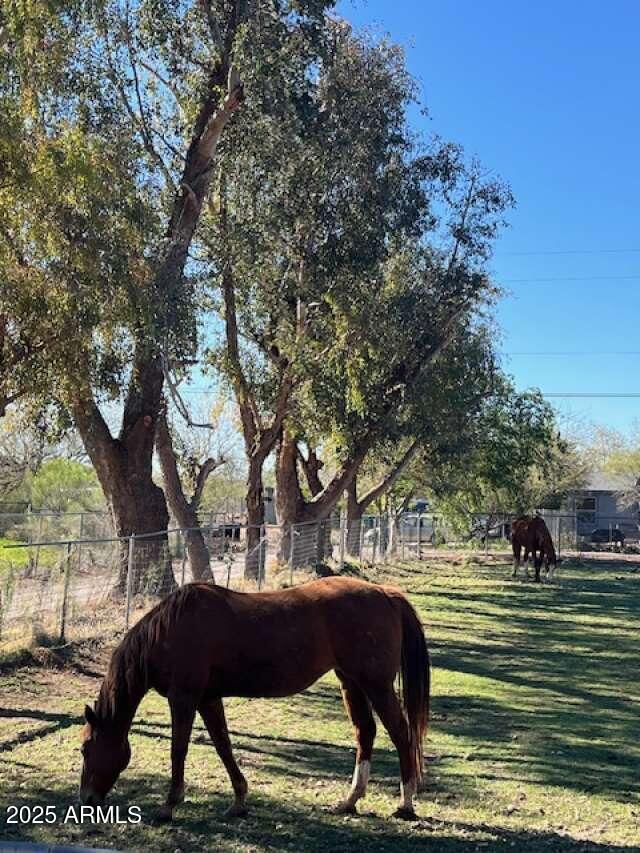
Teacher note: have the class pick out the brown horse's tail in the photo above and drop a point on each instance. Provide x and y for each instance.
(551, 551)
(415, 677)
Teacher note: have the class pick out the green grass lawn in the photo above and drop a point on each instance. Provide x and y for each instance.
(534, 743)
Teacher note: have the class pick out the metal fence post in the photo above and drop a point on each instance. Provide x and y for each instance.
(292, 546)
(183, 546)
(374, 543)
(39, 540)
(361, 541)
(80, 543)
(132, 540)
(419, 536)
(392, 533)
(343, 536)
(65, 593)
(261, 554)
(229, 559)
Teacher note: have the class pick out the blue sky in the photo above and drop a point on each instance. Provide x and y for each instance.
(546, 95)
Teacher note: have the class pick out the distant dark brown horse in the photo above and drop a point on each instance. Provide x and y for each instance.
(532, 535)
(203, 643)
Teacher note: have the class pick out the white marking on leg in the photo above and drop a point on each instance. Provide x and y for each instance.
(360, 781)
(358, 787)
(407, 793)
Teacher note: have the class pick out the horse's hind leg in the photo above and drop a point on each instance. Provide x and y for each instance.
(388, 708)
(537, 563)
(359, 710)
(212, 712)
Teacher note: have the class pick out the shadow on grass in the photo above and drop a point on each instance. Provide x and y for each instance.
(569, 654)
(56, 722)
(274, 824)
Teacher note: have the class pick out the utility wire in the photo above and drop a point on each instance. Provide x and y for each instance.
(594, 394)
(575, 252)
(572, 278)
(574, 353)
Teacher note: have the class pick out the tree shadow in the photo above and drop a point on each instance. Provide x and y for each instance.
(56, 722)
(572, 669)
(279, 824)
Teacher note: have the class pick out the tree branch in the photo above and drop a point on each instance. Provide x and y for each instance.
(204, 472)
(390, 478)
(176, 397)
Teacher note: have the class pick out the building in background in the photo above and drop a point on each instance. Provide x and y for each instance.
(607, 502)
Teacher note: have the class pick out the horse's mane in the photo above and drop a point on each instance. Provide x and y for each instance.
(127, 678)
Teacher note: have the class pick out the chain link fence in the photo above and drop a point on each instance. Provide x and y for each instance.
(74, 588)
(70, 587)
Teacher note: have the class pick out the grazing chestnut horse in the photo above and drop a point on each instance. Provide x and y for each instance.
(204, 642)
(532, 534)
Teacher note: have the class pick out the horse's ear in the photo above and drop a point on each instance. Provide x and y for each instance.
(90, 716)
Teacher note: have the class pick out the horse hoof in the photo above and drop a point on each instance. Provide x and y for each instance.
(236, 810)
(343, 808)
(405, 813)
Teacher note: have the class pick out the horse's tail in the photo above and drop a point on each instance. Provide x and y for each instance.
(414, 680)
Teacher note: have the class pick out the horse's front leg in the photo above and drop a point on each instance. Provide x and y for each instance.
(183, 711)
(527, 557)
(212, 712)
(516, 559)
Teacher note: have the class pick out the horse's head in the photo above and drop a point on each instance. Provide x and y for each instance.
(105, 755)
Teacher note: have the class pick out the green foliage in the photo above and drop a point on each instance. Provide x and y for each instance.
(99, 104)
(63, 485)
(350, 244)
(513, 460)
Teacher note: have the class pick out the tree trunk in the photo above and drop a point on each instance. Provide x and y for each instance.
(312, 467)
(136, 503)
(355, 511)
(289, 502)
(308, 519)
(140, 508)
(256, 551)
(183, 510)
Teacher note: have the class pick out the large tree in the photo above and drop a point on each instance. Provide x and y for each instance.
(306, 209)
(116, 110)
(418, 301)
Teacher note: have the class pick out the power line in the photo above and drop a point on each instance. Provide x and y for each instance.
(573, 278)
(575, 252)
(594, 394)
(575, 353)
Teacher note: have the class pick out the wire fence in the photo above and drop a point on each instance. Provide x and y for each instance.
(70, 588)
(74, 588)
